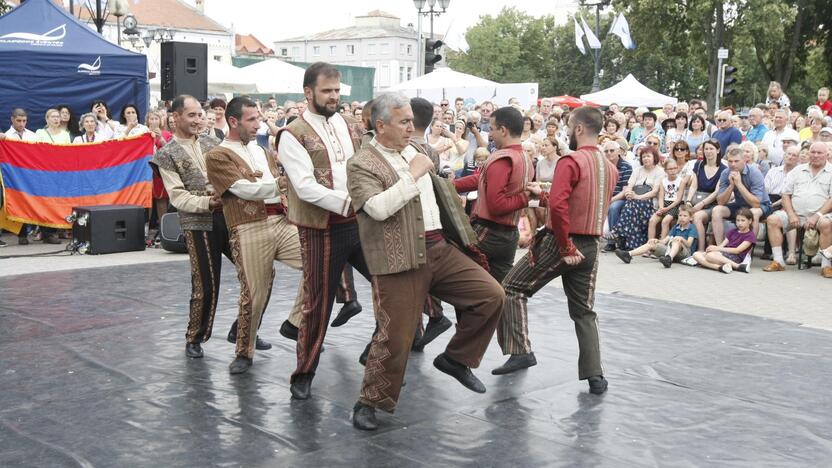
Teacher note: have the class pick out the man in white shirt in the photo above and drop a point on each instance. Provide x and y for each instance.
(18, 130)
(245, 178)
(773, 139)
(314, 150)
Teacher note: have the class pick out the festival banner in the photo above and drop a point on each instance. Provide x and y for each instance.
(42, 182)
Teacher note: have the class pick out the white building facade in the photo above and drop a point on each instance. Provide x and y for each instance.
(377, 40)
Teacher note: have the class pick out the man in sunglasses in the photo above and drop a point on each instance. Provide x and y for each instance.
(727, 134)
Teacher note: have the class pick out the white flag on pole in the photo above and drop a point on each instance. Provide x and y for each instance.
(621, 28)
(579, 37)
(593, 41)
(455, 38)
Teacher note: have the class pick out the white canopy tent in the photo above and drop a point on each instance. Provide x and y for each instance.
(629, 92)
(222, 79)
(275, 76)
(444, 83)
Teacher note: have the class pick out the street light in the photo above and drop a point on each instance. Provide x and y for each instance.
(156, 35)
(599, 4)
(431, 12)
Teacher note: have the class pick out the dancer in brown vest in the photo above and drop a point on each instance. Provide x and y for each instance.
(404, 217)
(246, 179)
(567, 247)
(182, 167)
(314, 150)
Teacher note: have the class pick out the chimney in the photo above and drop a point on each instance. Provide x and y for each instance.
(200, 5)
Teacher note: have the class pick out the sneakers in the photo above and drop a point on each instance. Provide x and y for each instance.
(666, 260)
(624, 256)
(3, 244)
(745, 268)
(689, 261)
(726, 268)
(774, 266)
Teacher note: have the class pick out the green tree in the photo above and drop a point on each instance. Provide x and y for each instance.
(4, 7)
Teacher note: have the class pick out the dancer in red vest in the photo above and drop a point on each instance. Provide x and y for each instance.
(567, 247)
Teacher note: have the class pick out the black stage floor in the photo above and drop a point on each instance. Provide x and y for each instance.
(93, 373)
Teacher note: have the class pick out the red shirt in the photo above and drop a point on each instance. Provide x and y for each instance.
(499, 202)
(826, 107)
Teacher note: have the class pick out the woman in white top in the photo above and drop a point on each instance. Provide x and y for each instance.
(129, 122)
(104, 125)
(456, 154)
(442, 141)
(88, 126)
(678, 133)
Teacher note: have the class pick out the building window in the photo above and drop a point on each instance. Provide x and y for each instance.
(401, 49)
(316, 50)
(350, 49)
(371, 49)
(218, 58)
(284, 51)
(385, 76)
(401, 74)
(332, 50)
(409, 73)
(409, 50)
(296, 51)
(385, 49)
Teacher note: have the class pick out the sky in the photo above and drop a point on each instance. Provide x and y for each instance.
(272, 20)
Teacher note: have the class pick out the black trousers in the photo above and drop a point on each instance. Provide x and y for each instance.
(205, 249)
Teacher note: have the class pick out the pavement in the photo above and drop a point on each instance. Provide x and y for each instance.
(794, 296)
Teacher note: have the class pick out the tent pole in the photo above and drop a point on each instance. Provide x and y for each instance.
(99, 21)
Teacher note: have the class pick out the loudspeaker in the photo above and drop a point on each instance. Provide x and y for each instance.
(184, 70)
(109, 228)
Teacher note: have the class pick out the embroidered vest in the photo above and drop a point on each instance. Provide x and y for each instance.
(173, 157)
(224, 168)
(521, 173)
(590, 197)
(306, 214)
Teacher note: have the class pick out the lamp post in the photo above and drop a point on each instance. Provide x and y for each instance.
(431, 12)
(118, 8)
(600, 4)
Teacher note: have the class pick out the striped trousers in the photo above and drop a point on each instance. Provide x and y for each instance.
(537, 268)
(325, 253)
(255, 246)
(205, 250)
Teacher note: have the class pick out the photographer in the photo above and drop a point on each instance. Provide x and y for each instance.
(476, 139)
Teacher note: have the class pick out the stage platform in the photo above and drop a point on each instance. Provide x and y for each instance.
(93, 374)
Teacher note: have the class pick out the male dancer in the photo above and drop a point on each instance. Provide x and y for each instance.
(501, 186)
(246, 180)
(314, 150)
(403, 236)
(182, 167)
(567, 247)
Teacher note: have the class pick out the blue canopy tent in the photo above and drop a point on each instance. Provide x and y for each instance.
(51, 58)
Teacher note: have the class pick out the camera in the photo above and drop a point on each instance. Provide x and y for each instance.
(470, 125)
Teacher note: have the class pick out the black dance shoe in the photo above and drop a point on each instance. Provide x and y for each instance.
(515, 363)
(597, 384)
(363, 358)
(364, 417)
(348, 311)
(193, 350)
(259, 344)
(301, 388)
(460, 372)
(240, 365)
(289, 331)
(433, 330)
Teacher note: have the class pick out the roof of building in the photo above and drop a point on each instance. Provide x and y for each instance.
(248, 44)
(358, 32)
(166, 13)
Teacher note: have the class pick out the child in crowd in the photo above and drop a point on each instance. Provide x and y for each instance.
(681, 241)
(524, 227)
(730, 254)
(669, 192)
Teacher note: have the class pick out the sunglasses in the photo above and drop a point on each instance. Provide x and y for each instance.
(680, 149)
(609, 151)
(721, 120)
(444, 104)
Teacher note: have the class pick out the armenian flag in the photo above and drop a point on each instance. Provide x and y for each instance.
(42, 182)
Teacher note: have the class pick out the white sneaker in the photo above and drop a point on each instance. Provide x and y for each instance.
(689, 261)
(726, 268)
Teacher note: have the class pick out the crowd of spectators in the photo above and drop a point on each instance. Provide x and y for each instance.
(688, 179)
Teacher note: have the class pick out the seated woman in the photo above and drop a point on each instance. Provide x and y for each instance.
(670, 197)
(641, 192)
(704, 187)
(731, 253)
(528, 128)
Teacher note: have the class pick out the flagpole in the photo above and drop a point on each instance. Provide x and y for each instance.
(596, 80)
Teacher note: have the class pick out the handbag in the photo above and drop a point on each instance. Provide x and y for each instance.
(641, 189)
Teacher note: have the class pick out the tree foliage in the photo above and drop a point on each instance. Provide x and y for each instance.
(676, 49)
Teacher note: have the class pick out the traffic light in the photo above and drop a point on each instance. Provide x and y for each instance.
(431, 56)
(728, 80)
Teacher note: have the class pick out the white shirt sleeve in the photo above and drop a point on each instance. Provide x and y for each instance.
(385, 204)
(254, 191)
(180, 197)
(299, 169)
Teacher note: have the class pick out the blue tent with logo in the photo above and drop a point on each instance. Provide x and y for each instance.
(51, 58)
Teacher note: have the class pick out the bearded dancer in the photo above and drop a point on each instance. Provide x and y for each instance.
(567, 247)
(501, 186)
(403, 232)
(314, 150)
(182, 167)
(246, 179)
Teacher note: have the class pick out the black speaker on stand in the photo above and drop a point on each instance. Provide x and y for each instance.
(184, 70)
